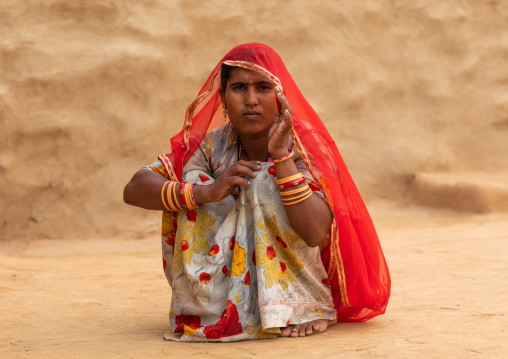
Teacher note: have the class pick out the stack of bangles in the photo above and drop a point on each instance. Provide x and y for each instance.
(296, 195)
(170, 199)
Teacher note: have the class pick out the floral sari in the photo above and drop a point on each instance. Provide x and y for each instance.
(237, 269)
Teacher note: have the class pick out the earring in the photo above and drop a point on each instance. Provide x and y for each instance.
(224, 112)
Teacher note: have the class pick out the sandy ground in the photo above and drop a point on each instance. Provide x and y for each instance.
(109, 298)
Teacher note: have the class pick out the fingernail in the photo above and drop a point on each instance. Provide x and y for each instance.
(287, 111)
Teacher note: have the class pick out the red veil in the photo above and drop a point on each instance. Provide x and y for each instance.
(357, 269)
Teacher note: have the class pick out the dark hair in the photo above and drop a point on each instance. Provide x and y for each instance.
(225, 73)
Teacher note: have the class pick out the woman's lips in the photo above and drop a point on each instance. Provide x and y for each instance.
(251, 115)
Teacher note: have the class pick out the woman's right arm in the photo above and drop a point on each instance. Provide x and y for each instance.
(144, 190)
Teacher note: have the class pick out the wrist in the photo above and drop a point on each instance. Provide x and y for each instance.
(200, 193)
(275, 155)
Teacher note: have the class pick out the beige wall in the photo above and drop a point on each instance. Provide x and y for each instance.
(90, 91)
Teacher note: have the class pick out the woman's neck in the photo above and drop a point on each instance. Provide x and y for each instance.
(255, 149)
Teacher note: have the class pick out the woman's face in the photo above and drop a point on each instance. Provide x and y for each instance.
(250, 101)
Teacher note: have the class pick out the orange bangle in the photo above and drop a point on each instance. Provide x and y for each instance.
(162, 196)
(298, 190)
(289, 179)
(172, 200)
(308, 194)
(168, 196)
(295, 197)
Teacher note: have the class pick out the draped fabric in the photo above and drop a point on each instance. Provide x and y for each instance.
(356, 267)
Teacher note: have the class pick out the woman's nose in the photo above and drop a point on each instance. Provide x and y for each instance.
(251, 97)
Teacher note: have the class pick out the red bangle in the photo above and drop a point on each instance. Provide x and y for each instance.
(278, 160)
(296, 182)
(182, 194)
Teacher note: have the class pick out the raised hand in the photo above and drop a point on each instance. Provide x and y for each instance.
(279, 134)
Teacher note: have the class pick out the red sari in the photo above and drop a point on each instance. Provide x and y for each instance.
(353, 258)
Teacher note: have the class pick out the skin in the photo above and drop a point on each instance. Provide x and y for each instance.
(251, 102)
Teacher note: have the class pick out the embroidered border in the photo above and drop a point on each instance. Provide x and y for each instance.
(254, 67)
(169, 167)
(336, 258)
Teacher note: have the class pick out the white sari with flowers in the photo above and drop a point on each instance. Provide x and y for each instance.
(236, 267)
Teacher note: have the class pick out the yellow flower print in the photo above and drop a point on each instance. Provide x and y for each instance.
(238, 266)
(278, 268)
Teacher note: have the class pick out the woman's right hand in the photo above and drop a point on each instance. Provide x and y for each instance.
(224, 185)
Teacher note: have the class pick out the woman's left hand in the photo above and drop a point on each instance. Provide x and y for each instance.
(279, 134)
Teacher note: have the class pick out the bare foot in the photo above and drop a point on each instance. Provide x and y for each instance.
(301, 330)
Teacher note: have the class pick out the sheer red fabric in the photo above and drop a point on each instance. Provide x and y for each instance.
(357, 270)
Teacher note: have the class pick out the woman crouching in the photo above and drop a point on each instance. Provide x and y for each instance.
(254, 197)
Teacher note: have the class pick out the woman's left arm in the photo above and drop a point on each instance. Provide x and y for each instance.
(311, 218)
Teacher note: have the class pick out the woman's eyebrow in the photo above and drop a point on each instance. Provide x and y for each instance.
(260, 82)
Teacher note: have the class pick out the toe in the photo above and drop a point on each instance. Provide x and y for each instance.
(309, 329)
(285, 332)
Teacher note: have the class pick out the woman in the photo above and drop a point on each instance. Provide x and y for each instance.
(255, 197)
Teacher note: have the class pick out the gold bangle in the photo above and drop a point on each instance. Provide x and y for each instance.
(295, 197)
(300, 200)
(171, 202)
(174, 197)
(168, 196)
(298, 190)
(188, 197)
(162, 195)
(289, 179)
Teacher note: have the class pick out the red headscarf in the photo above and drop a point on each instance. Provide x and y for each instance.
(356, 267)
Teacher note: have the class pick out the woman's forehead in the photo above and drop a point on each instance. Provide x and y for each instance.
(244, 75)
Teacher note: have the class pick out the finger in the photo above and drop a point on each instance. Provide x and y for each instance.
(253, 165)
(273, 130)
(283, 102)
(287, 121)
(239, 170)
(236, 180)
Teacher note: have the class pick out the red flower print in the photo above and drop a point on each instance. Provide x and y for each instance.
(203, 178)
(246, 279)
(182, 320)
(232, 243)
(170, 239)
(164, 264)
(254, 257)
(287, 323)
(204, 278)
(270, 252)
(185, 245)
(326, 281)
(314, 187)
(191, 215)
(278, 239)
(271, 170)
(227, 326)
(214, 250)
(283, 267)
(225, 271)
